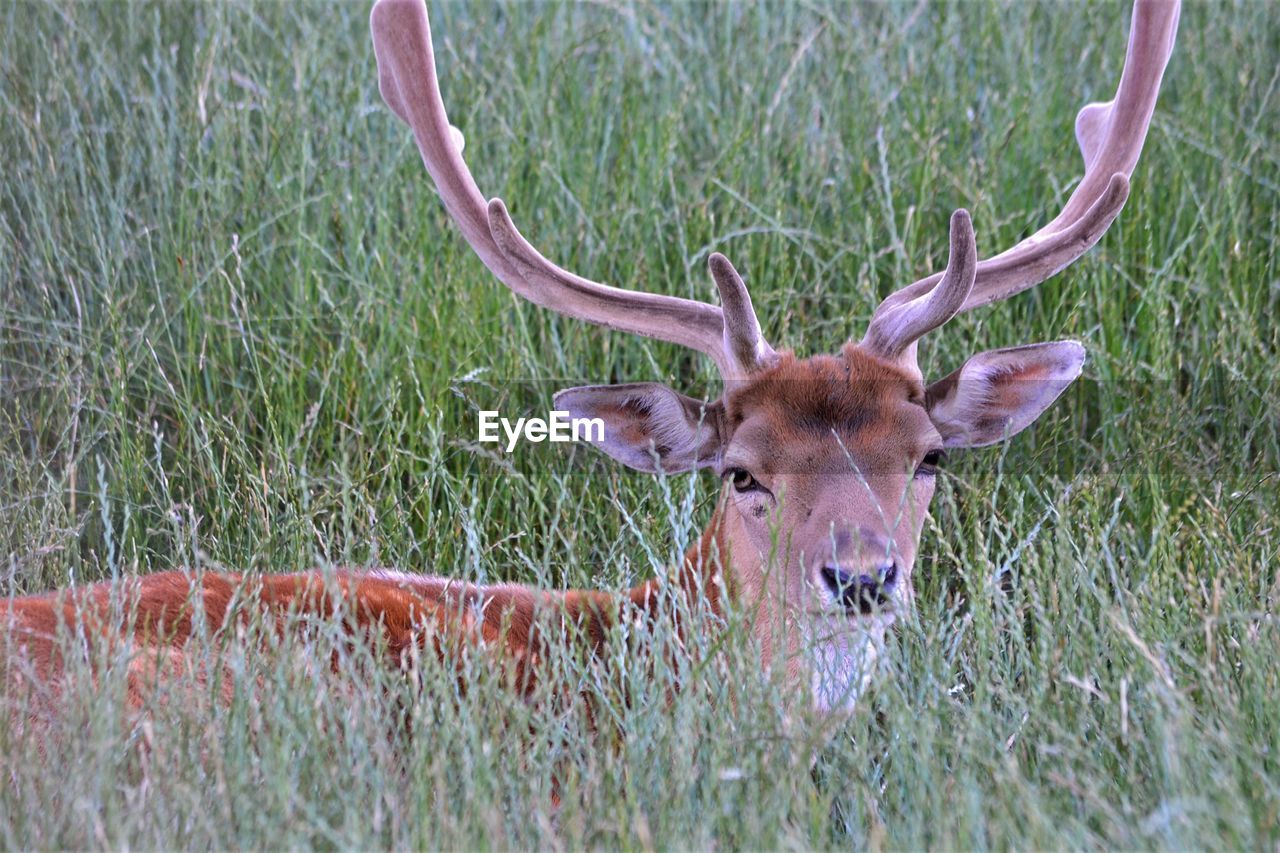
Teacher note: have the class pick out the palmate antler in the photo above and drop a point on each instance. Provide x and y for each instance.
(1110, 136)
(730, 335)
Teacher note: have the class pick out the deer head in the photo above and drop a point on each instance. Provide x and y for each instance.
(828, 462)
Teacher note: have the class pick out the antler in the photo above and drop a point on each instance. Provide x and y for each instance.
(1110, 136)
(895, 328)
(407, 80)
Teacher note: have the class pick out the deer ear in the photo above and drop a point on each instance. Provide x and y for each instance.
(648, 426)
(999, 393)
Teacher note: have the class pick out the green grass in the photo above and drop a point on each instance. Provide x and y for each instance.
(237, 330)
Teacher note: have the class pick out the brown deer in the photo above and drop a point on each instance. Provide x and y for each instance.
(827, 462)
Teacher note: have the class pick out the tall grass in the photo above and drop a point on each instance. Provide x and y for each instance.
(237, 331)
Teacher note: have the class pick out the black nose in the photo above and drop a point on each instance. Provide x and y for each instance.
(861, 593)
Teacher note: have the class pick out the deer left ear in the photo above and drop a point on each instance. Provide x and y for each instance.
(999, 393)
(648, 426)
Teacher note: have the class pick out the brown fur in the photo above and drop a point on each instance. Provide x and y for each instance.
(402, 613)
(832, 440)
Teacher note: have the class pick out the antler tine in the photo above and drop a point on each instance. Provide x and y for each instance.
(408, 82)
(742, 338)
(1110, 136)
(895, 328)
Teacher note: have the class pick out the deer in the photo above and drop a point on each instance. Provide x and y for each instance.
(828, 462)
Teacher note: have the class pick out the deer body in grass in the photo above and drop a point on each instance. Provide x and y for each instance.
(827, 462)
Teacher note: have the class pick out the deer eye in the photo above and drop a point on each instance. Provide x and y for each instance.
(930, 463)
(742, 480)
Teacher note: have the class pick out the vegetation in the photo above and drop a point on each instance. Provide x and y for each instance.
(238, 332)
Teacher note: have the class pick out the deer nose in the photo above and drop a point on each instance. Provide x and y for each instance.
(858, 591)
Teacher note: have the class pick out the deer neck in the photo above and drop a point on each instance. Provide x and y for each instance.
(699, 586)
(702, 575)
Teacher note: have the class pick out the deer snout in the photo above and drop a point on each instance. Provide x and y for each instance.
(858, 591)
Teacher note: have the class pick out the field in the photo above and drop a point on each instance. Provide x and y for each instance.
(237, 331)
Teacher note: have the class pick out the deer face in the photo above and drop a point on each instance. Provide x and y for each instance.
(828, 466)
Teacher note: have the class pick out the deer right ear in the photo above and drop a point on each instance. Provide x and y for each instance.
(648, 426)
(999, 393)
